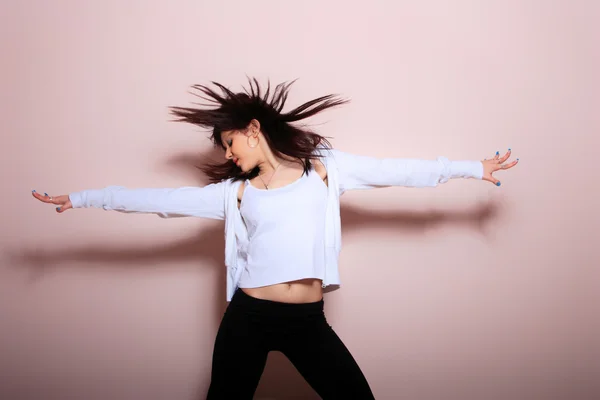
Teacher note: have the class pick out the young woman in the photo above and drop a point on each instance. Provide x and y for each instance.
(278, 192)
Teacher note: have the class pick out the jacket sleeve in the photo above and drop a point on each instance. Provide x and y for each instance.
(362, 172)
(206, 202)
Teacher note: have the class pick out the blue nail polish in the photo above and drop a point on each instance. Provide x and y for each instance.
(45, 194)
(498, 184)
(497, 153)
(508, 149)
(57, 208)
(517, 159)
(33, 191)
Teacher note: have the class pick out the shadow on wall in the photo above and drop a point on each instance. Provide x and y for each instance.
(280, 379)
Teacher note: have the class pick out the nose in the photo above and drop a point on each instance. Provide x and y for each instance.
(228, 154)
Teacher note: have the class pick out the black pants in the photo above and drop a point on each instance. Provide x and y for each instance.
(252, 327)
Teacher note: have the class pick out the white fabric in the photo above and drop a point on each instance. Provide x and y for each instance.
(286, 232)
(345, 171)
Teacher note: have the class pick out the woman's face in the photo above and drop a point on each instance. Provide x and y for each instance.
(236, 148)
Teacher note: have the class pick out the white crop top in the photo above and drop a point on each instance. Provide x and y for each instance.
(286, 231)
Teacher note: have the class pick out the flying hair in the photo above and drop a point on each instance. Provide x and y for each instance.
(234, 111)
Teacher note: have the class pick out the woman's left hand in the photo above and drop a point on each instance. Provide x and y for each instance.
(494, 164)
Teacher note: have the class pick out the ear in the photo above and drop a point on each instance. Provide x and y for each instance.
(253, 127)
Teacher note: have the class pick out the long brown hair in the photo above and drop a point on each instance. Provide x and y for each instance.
(234, 111)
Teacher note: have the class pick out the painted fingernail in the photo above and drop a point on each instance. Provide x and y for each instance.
(33, 191)
(57, 208)
(508, 149)
(498, 184)
(517, 159)
(45, 194)
(497, 153)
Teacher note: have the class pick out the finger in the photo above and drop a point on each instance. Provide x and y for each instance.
(41, 197)
(491, 179)
(46, 198)
(509, 165)
(64, 207)
(497, 155)
(50, 199)
(506, 156)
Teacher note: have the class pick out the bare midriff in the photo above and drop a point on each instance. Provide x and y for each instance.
(300, 291)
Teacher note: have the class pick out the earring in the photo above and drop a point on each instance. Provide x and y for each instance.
(249, 145)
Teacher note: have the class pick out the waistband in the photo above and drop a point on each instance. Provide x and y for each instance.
(275, 308)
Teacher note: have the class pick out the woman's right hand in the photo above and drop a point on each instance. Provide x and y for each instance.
(63, 202)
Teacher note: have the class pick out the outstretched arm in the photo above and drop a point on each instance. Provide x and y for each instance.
(363, 172)
(207, 201)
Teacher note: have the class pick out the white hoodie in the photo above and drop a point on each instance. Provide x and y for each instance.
(219, 200)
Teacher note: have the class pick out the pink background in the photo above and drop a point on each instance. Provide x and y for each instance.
(466, 291)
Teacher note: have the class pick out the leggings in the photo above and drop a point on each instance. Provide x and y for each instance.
(252, 327)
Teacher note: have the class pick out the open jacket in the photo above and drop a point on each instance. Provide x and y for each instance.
(219, 200)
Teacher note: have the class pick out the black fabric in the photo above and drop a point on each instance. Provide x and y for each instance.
(252, 327)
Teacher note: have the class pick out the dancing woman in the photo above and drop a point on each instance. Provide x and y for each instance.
(278, 192)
